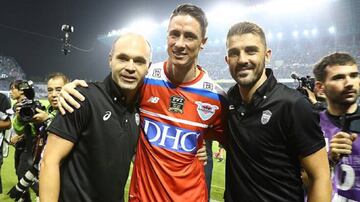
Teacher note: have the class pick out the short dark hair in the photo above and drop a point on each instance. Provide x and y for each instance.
(16, 83)
(331, 60)
(195, 12)
(246, 28)
(58, 75)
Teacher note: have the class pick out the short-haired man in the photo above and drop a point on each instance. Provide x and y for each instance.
(272, 130)
(337, 76)
(88, 152)
(42, 118)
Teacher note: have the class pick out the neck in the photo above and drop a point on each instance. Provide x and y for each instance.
(21, 98)
(182, 74)
(339, 109)
(248, 92)
(130, 96)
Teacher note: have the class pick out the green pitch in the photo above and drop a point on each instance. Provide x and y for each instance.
(9, 178)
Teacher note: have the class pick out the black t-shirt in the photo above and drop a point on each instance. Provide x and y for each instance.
(4, 105)
(104, 132)
(266, 138)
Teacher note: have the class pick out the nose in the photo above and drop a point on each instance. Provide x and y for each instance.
(349, 82)
(130, 67)
(242, 60)
(180, 42)
(54, 93)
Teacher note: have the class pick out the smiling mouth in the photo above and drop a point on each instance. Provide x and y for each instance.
(128, 78)
(179, 55)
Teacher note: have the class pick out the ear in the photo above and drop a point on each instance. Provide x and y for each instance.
(110, 60)
(268, 54)
(319, 87)
(203, 42)
(226, 59)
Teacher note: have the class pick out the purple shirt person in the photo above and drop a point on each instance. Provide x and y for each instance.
(337, 76)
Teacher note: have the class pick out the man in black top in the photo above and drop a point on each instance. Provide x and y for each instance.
(5, 124)
(272, 130)
(88, 152)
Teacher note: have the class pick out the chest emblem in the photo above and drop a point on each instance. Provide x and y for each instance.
(205, 110)
(177, 104)
(107, 115)
(208, 86)
(157, 73)
(265, 118)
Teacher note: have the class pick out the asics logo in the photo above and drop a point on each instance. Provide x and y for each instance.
(107, 115)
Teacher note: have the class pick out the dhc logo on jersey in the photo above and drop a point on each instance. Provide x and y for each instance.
(170, 137)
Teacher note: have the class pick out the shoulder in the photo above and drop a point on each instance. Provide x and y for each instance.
(211, 85)
(287, 94)
(93, 88)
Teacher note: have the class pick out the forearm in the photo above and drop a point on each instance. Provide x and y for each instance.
(49, 181)
(319, 189)
(5, 124)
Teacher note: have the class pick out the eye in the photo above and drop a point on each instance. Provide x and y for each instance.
(338, 77)
(354, 75)
(122, 58)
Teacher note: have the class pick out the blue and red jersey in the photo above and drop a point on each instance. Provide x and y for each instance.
(174, 121)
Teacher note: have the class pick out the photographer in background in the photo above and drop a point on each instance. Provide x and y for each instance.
(40, 118)
(308, 88)
(5, 124)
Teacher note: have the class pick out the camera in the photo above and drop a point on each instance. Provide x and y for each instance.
(304, 82)
(29, 104)
(67, 28)
(66, 40)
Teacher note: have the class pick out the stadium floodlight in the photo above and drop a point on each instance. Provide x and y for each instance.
(314, 32)
(279, 35)
(144, 26)
(230, 13)
(165, 23)
(295, 34)
(306, 32)
(281, 7)
(332, 30)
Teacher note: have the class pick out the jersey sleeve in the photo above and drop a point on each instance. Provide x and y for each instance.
(70, 125)
(307, 135)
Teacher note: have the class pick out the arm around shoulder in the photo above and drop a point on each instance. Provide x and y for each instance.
(56, 149)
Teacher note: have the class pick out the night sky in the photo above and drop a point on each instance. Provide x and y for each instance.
(40, 55)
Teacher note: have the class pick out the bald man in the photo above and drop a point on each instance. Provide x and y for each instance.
(88, 152)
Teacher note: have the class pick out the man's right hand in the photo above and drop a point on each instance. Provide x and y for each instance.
(67, 95)
(341, 144)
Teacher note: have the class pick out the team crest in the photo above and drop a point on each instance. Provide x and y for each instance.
(205, 110)
(157, 73)
(137, 119)
(266, 115)
(176, 104)
(208, 86)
